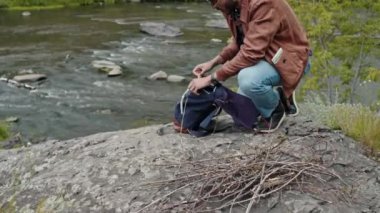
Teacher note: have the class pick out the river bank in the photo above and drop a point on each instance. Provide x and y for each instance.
(52, 4)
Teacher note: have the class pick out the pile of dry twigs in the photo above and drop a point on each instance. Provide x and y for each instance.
(242, 180)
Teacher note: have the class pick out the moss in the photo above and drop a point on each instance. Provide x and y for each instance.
(4, 131)
(40, 208)
(9, 206)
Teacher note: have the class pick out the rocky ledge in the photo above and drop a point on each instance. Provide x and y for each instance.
(109, 172)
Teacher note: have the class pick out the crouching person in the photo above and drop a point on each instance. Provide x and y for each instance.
(270, 49)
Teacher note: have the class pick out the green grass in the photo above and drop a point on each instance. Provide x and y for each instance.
(4, 131)
(356, 121)
(48, 7)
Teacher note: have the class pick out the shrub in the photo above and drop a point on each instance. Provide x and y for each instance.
(355, 120)
(358, 122)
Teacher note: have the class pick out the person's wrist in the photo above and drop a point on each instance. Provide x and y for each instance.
(212, 64)
(215, 61)
(209, 79)
(214, 79)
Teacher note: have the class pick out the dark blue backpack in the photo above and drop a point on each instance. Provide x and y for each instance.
(193, 114)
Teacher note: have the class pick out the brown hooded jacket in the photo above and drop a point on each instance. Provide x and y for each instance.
(268, 25)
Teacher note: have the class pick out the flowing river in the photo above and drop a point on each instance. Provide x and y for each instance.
(76, 99)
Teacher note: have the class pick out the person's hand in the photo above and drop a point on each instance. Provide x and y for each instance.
(199, 83)
(200, 69)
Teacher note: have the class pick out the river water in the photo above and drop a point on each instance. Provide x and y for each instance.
(76, 99)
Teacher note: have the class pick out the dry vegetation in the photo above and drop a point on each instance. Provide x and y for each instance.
(242, 180)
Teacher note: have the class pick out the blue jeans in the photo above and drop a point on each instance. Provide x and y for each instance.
(257, 82)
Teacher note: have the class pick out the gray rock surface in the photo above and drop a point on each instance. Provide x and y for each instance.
(105, 172)
(29, 78)
(12, 142)
(109, 67)
(26, 13)
(217, 23)
(216, 40)
(116, 71)
(160, 29)
(176, 78)
(25, 71)
(12, 119)
(160, 75)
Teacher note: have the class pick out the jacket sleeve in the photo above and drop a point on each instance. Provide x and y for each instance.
(229, 51)
(262, 27)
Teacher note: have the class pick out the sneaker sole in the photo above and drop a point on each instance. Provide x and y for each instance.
(277, 127)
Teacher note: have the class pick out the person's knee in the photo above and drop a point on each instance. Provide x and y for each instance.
(248, 82)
